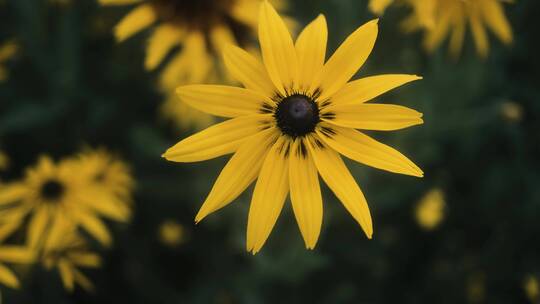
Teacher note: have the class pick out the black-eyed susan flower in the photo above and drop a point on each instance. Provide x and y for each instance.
(440, 19)
(51, 192)
(430, 209)
(7, 51)
(289, 124)
(66, 251)
(202, 29)
(16, 255)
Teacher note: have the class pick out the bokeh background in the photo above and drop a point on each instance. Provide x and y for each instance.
(71, 85)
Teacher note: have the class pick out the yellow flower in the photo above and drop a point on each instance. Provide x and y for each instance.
(171, 233)
(511, 111)
(67, 251)
(13, 254)
(4, 161)
(293, 119)
(202, 29)
(442, 18)
(532, 288)
(7, 51)
(430, 209)
(51, 193)
(108, 173)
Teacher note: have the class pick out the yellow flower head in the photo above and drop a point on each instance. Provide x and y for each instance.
(532, 288)
(8, 50)
(171, 233)
(202, 28)
(430, 209)
(68, 251)
(13, 254)
(50, 193)
(107, 172)
(289, 124)
(442, 18)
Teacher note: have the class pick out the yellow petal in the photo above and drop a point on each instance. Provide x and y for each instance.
(16, 254)
(217, 140)
(239, 172)
(223, 101)
(248, 70)
(105, 204)
(338, 178)
(163, 39)
(379, 6)
(85, 259)
(365, 89)
(311, 52)
(435, 36)
(139, 18)
(37, 228)
(305, 193)
(362, 148)
(7, 228)
(95, 227)
(8, 278)
(496, 20)
(277, 48)
(66, 274)
(82, 280)
(118, 2)
(268, 197)
(221, 37)
(479, 33)
(382, 117)
(457, 36)
(12, 193)
(347, 59)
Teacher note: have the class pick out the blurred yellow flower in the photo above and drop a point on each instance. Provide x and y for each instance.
(4, 161)
(13, 254)
(291, 122)
(531, 286)
(476, 288)
(50, 193)
(511, 111)
(171, 233)
(66, 251)
(441, 18)
(202, 29)
(7, 51)
(430, 211)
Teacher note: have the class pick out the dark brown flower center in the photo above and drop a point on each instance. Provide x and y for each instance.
(202, 15)
(297, 115)
(52, 190)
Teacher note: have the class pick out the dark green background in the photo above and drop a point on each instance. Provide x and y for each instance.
(72, 85)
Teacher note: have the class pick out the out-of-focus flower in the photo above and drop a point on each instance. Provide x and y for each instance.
(511, 111)
(476, 288)
(13, 254)
(442, 18)
(171, 233)
(50, 193)
(291, 122)
(4, 161)
(202, 28)
(66, 251)
(429, 211)
(532, 288)
(8, 50)
(108, 173)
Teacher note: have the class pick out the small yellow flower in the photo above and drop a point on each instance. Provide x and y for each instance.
(13, 254)
(66, 251)
(511, 111)
(532, 288)
(289, 124)
(50, 193)
(442, 18)
(171, 233)
(8, 50)
(430, 209)
(202, 29)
